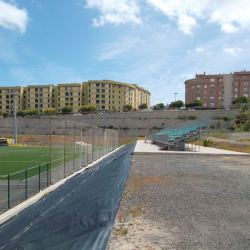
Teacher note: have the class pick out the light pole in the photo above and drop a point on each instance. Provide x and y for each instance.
(15, 93)
(153, 100)
(175, 95)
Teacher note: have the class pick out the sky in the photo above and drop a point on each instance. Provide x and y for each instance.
(157, 44)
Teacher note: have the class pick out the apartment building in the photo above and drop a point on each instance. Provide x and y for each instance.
(217, 91)
(104, 94)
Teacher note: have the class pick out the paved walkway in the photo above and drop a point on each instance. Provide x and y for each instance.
(147, 148)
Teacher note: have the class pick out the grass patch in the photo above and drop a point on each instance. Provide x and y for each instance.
(121, 232)
(136, 211)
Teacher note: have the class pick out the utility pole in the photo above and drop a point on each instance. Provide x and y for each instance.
(175, 95)
(153, 100)
(15, 93)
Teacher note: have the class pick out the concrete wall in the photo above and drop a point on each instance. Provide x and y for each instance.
(128, 124)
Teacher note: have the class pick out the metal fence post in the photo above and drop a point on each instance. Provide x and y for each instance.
(64, 168)
(92, 144)
(26, 177)
(74, 148)
(8, 191)
(47, 174)
(39, 178)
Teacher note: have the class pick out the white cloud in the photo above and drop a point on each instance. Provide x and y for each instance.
(115, 11)
(187, 24)
(232, 51)
(224, 12)
(228, 28)
(166, 27)
(11, 17)
(200, 49)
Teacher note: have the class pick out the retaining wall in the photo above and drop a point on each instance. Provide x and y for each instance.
(128, 124)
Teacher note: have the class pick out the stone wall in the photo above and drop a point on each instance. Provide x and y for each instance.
(128, 124)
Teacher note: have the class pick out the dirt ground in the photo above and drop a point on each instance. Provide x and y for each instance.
(189, 202)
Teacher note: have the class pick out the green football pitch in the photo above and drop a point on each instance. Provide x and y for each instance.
(16, 159)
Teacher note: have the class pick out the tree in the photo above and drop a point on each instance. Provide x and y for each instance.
(0, 113)
(48, 111)
(87, 108)
(241, 99)
(159, 106)
(5, 114)
(143, 106)
(125, 110)
(194, 103)
(114, 110)
(128, 107)
(67, 109)
(177, 104)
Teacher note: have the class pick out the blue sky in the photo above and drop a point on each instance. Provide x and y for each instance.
(157, 44)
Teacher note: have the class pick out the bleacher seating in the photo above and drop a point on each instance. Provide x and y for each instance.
(173, 135)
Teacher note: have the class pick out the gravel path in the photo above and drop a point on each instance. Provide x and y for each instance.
(229, 141)
(189, 202)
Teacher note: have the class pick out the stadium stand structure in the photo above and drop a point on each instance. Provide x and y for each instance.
(177, 135)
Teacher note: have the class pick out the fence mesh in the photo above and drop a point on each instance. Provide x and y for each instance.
(43, 160)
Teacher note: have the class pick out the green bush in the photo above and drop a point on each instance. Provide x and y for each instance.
(5, 114)
(242, 117)
(247, 126)
(234, 126)
(0, 113)
(219, 124)
(226, 118)
(217, 117)
(193, 117)
(207, 143)
(184, 117)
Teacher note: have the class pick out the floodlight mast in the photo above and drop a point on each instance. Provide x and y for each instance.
(15, 93)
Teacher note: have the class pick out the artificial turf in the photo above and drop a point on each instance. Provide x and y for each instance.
(16, 159)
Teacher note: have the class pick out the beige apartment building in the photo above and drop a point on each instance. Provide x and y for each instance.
(217, 91)
(104, 94)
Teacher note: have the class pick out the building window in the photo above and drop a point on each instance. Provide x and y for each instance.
(66, 94)
(71, 93)
(103, 85)
(40, 95)
(102, 107)
(212, 92)
(211, 105)
(219, 98)
(246, 95)
(36, 105)
(198, 86)
(97, 101)
(71, 88)
(212, 86)
(198, 98)
(211, 98)
(205, 98)
(41, 105)
(41, 100)
(36, 100)
(7, 102)
(58, 104)
(48, 95)
(236, 84)
(58, 99)
(48, 89)
(198, 93)
(71, 104)
(219, 92)
(97, 90)
(97, 96)
(66, 99)
(205, 86)
(71, 99)
(41, 90)
(66, 104)
(245, 83)
(235, 95)
(97, 85)
(205, 92)
(36, 89)
(66, 88)
(244, 77)
(212, 80)
(220, 79)
(103, 96)
(103, 90)
(245, 89)
(103, 101)
(236, 89)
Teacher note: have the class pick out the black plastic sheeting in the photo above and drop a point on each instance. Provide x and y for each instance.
(78, 215)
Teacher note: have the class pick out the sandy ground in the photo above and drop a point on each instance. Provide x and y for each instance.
(189, 202)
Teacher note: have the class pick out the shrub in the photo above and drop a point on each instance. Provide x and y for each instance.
(184, 117)
(125, 110)
(226, 118)
(193, 117)
(0, 113)
(217, 117)
(219, 124)
(234, 126)
(242, 117)
(247, 126)
(194, 103)
(87, 108)
(5, 114)
(207, 143)
(48, 111)
(143, 106)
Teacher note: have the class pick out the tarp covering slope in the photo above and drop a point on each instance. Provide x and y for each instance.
(78, 215)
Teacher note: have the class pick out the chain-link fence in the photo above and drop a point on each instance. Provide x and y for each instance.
(44, 160)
